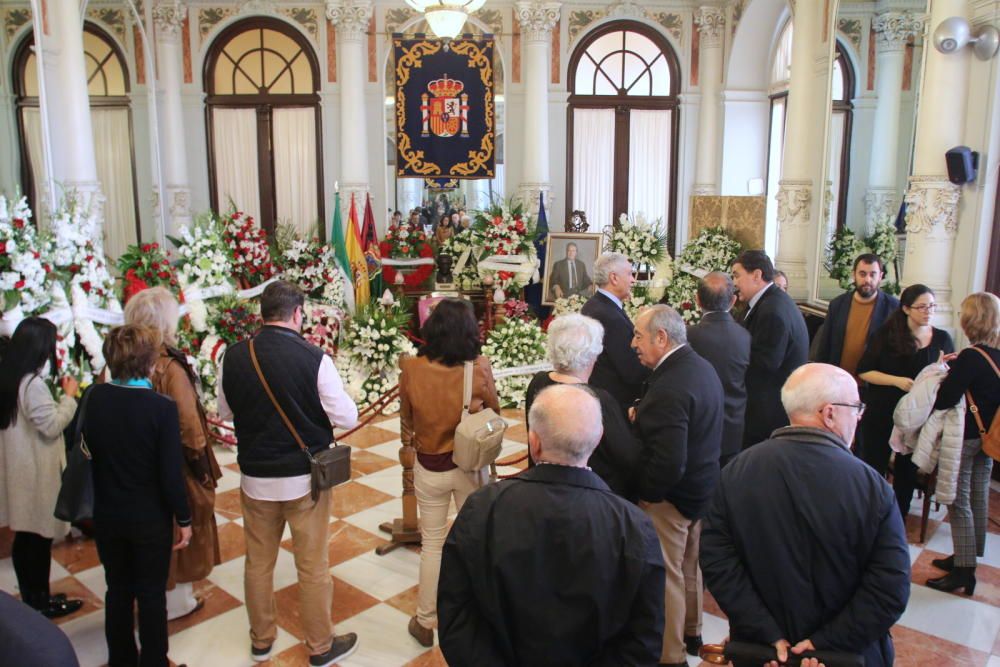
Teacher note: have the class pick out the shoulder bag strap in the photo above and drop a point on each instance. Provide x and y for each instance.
(973, 408)
(274, 401)
(467, 389)
(988, 358)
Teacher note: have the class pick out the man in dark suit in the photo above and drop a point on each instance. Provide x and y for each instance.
(617, 370)
(803, 547)
(854, 317)
(679, 423)
(569, 275)
(726, 345)
(779, 343)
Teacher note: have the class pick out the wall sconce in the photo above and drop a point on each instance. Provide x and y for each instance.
(954, 34)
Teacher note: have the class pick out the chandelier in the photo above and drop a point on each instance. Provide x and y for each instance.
(446, 17)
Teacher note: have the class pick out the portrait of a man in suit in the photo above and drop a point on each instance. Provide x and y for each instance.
(571, 267)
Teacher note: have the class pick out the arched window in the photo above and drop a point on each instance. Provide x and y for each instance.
(842, 90)
(781, 67)
(111, 119)
(623, 124)
(264, 138)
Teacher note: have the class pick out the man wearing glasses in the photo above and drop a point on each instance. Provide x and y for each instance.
(803, 547)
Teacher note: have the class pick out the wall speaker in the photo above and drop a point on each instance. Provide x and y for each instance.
(963, 164)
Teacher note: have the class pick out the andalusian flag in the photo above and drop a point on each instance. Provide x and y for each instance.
(339, 243)
(356, 258)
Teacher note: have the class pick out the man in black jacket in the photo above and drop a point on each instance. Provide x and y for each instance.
(779, 343)
(803, 547)
(679, 423)
(722, 342)
(551, 567)
(274, 471)
(617, 370)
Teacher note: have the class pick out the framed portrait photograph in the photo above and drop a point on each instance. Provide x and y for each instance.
(569, 265)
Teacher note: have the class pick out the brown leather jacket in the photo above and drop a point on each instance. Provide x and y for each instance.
(431, 401)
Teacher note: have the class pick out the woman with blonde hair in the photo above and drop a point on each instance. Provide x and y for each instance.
(972, 374)
(172, 376)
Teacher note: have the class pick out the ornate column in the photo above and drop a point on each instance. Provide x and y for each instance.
(168, 17)
(351, 18)
(803, 145)
(68, 106)
(537, 20)
(711, 22)
(932, 200)
(893, 30)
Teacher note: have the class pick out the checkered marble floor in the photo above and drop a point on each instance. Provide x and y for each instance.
(375, 595)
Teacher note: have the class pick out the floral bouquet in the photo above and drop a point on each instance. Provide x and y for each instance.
(312, 265)
(640, 241)
(568, 304)
(77, 252)
(505, 230)
(145, 266)
(639, 299)
(372, 343)
(518, 309)
(712, 250)
(681, 296)
(233, 319)
(457, 245)
(515, 342)
(406, 241)
(207, 367)
(883, 243)
(24, 273)
(321, 326)
(247, 245)
(840, 254)
(204, 256)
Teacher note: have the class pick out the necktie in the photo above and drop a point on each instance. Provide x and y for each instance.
(572, 274)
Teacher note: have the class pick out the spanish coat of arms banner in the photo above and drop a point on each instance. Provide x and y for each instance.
(445, 113)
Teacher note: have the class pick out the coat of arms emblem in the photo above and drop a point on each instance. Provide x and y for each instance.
(447, 111)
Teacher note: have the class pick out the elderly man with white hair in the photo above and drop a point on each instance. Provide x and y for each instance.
(803, 547)
(550, 567)
(574, 343)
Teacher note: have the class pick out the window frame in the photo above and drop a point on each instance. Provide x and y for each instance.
(846, 107)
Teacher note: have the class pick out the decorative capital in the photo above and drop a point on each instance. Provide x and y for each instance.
(895, 29)
(537, 19)
(932, 206)
(351, 18)
(627, 9)
(711, 22)
(881, 206)
(168, 15)
(794, 198)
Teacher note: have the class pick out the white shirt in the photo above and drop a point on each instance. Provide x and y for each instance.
(756, 297)
(337, 405)
(669, 352)
(616, 300)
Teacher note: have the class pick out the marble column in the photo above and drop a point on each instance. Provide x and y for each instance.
(893, 30)
(67, 107)
(168, 17)
(711, 22)
(351, 18)
(537, 20)
(931, 199)
(807, 106)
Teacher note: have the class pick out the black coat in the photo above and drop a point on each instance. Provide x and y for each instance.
(551, 568)
(804, 541)
(560, 277)
(779, 345)
(679, 423)
(617, 370)
(831, 335)
(722, 342)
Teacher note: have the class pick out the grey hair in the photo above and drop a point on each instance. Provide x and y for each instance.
(155, 307)
(567, 420)
(575, 341)
(715, 292)
(814, 385)
(605, 266)
(666, 319)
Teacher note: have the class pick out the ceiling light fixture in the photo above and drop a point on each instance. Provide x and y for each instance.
(446, 17)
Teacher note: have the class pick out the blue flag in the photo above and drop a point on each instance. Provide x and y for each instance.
(533, 292)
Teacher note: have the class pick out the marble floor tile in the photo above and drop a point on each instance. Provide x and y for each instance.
(75, 590)
(370, 436)
(390, 424)
(8, 580)
(371, 518)
(215, 601)
(956, 619)
(227, 503)
(353, 497)
(229, 575)
(223, 640)
(406, 601)
(994, 661)
(230, 480)
(347, 601)
(388, 450)
(76, 555)
(225, 455)
(384, 638)
(388, 481)
(87, 636)
(366, 462)
(94, 580)
(915, 649)
(232, 544)
(348, 541)
(381, 576)
(431, 658)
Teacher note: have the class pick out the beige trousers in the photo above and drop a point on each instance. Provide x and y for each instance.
(434, 493)
(679, 537)
(263, 524)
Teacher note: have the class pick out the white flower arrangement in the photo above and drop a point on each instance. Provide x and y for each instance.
(206, 365)
(312, 266)
(568, 304)
(635, 303)
(642, 242)
(24, 270)
(373, 340)
(204, 258)
(456, 246)
(515, 342)
(505, 229)
(322, 325)
(712, 250)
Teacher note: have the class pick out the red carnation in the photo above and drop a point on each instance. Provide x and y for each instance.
(19, 284)
(86, 286)
(18, 223)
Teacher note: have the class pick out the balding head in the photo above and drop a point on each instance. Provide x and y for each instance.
(824, 397)
(716, 292)
(566, 425)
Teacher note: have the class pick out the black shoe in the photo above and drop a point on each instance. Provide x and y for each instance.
(959, 577)
(59, 608)
(343, 646)
(946, 564)
(261, 654)
(692, 644)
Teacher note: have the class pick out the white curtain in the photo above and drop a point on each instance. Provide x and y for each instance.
(33, 136)
(113, 152)
(594, 165)
(649, 165)
(236, 173)
(294, 132)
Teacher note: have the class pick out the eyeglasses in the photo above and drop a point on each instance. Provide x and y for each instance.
(927, 307)
(859, 406)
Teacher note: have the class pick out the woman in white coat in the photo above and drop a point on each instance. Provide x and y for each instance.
(32, 458)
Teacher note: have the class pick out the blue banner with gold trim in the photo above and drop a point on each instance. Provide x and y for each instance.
(445, 113)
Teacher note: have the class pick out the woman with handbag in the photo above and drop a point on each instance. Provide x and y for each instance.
(172, 376)
(133, 435)
(32, 458)
(975, 375)
(431, 387)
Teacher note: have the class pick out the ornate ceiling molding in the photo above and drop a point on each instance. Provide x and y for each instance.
(894, 29)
